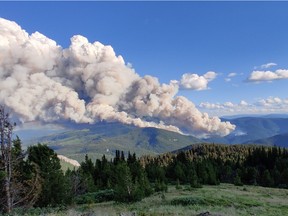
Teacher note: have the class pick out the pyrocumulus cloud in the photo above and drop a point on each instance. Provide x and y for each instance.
(88, 82)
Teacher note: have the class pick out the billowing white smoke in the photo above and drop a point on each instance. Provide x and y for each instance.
(39, 80)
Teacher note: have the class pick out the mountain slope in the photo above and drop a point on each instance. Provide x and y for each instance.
(252, 128)
(277, 140)
(105, 138)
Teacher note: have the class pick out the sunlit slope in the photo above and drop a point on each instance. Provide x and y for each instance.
(100, 139)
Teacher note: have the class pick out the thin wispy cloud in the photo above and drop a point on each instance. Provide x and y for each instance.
(227, 79)
(268, 65)
(265, 66)
(230, 76)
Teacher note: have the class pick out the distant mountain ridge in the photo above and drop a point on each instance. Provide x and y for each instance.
(280, 140)
(106, 138)
(252, 128)
(255, 116)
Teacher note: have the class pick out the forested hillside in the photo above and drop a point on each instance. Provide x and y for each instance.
(106, 138)
(213, 164)
(40, 182)
(34, 178)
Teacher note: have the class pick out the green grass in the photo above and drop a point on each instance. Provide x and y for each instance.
(224, 200)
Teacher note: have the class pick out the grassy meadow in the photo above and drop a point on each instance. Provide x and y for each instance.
(221, 200)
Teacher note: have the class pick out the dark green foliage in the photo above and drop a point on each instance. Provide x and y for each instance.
(103, 173)
(284, 178)
(160, 186)
(104, 195)
(85, 174)
(194, 180)
(87, 166)
(250, 175)
(132, 179)
(212, 164)
(237, 180)
(96, 197)
(55, 187)
(124, 187)
(267, 180)
(178, 170)
(188, 201)
(128, 179)
(155, 172)
(25, 180)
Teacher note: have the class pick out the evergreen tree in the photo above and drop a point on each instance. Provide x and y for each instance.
(237, 180)
(276, 176)
(130, 180)
(19, 180)
(54, 187)
(202, 173)
(124, 187)
(26, 182)
(211, 171)
(87, 166)
(179, 172)
(250, 176)
(284, 178)
(160, 186)
(155, 172)
(267, 180)
(86, 173)
(6, 128)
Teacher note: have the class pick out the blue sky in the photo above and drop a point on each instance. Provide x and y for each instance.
(169, 39)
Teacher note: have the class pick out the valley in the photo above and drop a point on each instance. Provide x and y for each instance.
(76, 140)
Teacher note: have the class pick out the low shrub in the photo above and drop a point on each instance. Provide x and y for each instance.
(185, 201)
(96, 197)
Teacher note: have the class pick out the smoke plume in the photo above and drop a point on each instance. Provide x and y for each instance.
(88, 82)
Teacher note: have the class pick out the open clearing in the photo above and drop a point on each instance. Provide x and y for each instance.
(224, 199)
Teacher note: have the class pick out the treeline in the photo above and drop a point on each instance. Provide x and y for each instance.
(38, 180)
(34, 178)
(212, 164)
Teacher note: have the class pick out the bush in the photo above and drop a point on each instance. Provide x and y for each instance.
(160, 186)
(237, 181)
(104, 195)
(38, 211)
(87, 198)
(188, 201)
(96, 197)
